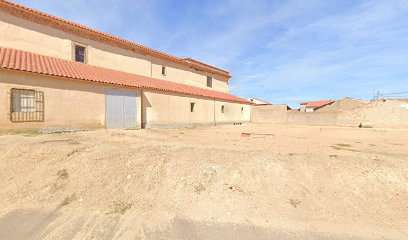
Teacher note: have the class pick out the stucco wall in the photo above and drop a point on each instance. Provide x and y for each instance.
(28, 36)
(165, 109)
(233, 112)
(80, 103)
(66, 102)
(186, 75)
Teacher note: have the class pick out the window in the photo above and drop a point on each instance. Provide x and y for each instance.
(163, 70)
(26, 105)
(80, 52)
(222, 109)
(192, 105)
(242, 110)
(209, 81)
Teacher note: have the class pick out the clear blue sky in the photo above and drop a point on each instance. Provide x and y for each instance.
(281, 51)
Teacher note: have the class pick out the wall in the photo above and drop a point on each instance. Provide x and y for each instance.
(311, 118)
(233, 112)
(342, 104)
(67, 102)
(28, 36)
(161, 109)
(381, 113)
(269, 113)
(186, 75)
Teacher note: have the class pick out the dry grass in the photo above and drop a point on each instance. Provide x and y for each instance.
(67, 200)
(62, 174)
(121, 207)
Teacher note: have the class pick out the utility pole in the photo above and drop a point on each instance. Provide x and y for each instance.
(378, 95)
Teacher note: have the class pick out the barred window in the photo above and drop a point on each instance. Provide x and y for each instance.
(26, 105)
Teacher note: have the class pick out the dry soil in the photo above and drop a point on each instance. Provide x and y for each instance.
(205, 183)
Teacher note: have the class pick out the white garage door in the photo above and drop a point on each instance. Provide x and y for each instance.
(120, 109)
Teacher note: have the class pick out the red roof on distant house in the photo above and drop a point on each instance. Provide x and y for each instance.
(260, 100)
(89, 33)
(316, 104)
(13, 59)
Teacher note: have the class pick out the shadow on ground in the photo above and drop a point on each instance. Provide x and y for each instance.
(37, 224)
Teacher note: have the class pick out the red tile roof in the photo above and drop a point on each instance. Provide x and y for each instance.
(316, 104)
(196, 62)
(13, 59)
(89, 33)
(264, 102)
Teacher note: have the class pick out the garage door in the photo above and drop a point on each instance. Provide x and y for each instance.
(120, 109)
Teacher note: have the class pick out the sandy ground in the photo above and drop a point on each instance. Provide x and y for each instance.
(206, 183)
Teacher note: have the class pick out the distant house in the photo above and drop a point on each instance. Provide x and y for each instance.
(314, 105)
(258, 101)
(342, 104)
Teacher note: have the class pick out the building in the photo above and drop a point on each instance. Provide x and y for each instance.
(258, 101)
(342, 104)
(312, 106)
(54, 72)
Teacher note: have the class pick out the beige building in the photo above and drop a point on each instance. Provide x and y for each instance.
(57, 73)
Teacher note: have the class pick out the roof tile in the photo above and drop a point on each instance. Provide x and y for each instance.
(316, 104)
(86, 32)
(14, 59)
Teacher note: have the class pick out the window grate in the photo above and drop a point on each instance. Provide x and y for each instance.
(26, 106)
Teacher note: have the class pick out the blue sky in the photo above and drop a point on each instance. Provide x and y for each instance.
(282, 51)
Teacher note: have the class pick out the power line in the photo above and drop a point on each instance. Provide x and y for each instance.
(401, 93)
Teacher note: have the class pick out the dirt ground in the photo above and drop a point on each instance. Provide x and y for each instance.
(206, 183)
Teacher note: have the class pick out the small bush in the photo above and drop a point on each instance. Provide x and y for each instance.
(67, 200)
(62, 174)
(121, 207)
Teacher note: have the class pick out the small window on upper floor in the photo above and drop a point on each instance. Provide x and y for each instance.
(164, 70)
(242, 110)
(80, 53)
(222, 108)
(209, 81)
(192, 106)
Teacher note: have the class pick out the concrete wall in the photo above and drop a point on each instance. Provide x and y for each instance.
(28, 36)
(269, 113)
(381, 113)
(311, 118)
